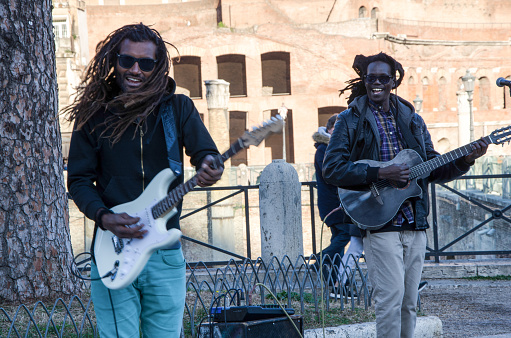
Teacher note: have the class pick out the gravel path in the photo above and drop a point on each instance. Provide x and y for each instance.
(468, 308)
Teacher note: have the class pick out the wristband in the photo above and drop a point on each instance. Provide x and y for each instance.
(99, 215)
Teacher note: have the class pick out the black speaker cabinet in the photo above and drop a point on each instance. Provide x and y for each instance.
(279, 327)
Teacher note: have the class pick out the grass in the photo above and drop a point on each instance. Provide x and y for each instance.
(36, 317)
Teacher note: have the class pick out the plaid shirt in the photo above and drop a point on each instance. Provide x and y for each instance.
(391, 145)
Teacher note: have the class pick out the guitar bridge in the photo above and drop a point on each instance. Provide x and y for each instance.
(118, 244)
(376, 194)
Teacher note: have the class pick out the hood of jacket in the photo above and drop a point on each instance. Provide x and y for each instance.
(321, 137)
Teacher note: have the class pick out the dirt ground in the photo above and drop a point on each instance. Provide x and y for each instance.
(469, 308)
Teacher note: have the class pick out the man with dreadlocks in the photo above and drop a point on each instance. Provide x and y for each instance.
(128, 126)
(376, 126)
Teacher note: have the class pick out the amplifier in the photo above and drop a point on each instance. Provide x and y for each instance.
(279, 327)
(248, 312)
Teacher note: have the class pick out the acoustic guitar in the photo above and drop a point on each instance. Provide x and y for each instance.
(375, 205)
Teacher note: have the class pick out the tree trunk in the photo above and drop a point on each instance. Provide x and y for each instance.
(35, 246)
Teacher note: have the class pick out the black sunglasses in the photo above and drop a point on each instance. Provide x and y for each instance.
(127, 61)
(383, 79)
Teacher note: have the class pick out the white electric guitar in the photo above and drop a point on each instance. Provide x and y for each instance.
(120, 260)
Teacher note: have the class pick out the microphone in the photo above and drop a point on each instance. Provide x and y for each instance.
(501, 82)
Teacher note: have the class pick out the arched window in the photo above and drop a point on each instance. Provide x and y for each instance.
(443, 145)
(484, 93)
(237, 126)
(426, 95)
(442, 94)
(187, 74)
(274, 141)
(324, 113)
(231, 68)
(276, 72)
(362, 11)
(374, 13)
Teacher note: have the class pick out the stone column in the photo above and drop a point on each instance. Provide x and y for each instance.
(280, 211)
(222, 214)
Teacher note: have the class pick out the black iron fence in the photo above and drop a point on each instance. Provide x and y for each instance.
(462, 212)
(291, 283)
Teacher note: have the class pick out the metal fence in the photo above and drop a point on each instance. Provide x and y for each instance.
(486, 199)
(293, 284)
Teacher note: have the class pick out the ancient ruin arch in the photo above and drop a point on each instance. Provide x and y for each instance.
(362, 12)
(237, 126)
(442, 94)
(375, 12)
(276, 72)
(187, 74)
(232, 68)
(484, 93)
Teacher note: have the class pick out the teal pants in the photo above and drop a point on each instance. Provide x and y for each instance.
(152, 305)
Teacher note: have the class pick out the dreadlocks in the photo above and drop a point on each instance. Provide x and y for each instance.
(99, 90)
(360, 64)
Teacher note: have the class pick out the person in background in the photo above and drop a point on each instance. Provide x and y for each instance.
(328, 201)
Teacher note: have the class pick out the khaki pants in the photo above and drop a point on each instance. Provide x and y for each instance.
(394, 263)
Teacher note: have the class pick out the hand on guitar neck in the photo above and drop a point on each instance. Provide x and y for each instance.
(480, 147)
(210, 172)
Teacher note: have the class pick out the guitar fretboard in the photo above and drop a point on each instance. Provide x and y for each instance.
(429, 166)
(176, 195)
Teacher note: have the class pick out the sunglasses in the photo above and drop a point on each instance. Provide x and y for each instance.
(383, 79)
(127, 61)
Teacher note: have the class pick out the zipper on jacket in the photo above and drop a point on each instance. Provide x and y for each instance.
(142, 156)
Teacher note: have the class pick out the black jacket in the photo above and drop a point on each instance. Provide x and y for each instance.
(101, 175)
(341, 171)
(328, 199)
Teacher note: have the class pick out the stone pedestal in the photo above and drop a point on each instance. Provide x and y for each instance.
(280, 211)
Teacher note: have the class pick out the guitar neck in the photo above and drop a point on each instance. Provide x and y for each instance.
(437, 162)
(176, 195)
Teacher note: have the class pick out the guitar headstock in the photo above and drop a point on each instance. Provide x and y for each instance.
(501, 135)
(258, 134)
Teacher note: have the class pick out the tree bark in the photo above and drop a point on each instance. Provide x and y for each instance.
(35, 246)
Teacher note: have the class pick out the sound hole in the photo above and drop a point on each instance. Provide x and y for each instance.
(400, 185)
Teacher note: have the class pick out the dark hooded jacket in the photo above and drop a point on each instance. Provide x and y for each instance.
(340, 170)
(102, 175)
(327, 193)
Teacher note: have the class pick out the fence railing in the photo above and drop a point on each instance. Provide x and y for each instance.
(486, 194)
(294, 284)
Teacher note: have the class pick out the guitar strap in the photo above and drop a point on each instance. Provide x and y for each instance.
(360, 123)
(171, 137)
(410, 141)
